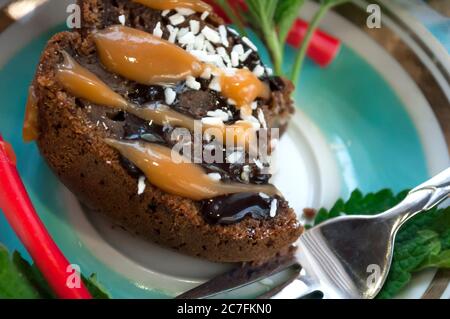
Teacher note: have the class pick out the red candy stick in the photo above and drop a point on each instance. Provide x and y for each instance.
(21, 215)
(323, 48)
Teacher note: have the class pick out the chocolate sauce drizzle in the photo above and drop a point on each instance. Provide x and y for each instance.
(220, 210)
(233, 208)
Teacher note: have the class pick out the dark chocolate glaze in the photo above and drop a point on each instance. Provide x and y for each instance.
(195, 103)
(233, 208)
(135, 128)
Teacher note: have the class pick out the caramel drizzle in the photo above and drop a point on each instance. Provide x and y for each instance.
(30, 130)
(243, 87)
(82, 83)
(146, 59)
(241, 133)
(174, 174)
(195, 5)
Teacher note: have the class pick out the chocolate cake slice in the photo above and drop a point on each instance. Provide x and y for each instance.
(106, 126)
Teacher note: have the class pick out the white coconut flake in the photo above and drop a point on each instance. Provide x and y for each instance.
(234, 59)
(215, 176)
(201, 55)
(176, 19)
(192, 83)
(234, 157)
(253, 121)
(206, 74)
(186, 39)
(141, 185)
(170, 96)
(269, 71)
(208, 58)
(211, 35)
(245, 56)
(224, 54)
(254, 105)
(157, 31)
(204, 15)
(165, 13)
(190, 47)
(182, 32)
(173, 34)
(195, 26)
(230, 71)
(223, 35)
(209, 47)
(219, 114)
(273, 208)
(185, 11)
(258, 163)
(264, 195)
(245, 175)
(213, 121)
(239, 49)
(250, 119)
(215, 84)
(262, 119)
(122, 19)
(199, 42)
(249, 43)
(258, 71)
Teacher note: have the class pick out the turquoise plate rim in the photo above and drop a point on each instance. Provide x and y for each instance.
(16, 75)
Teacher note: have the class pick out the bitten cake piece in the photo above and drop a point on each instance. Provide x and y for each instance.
(155, 114)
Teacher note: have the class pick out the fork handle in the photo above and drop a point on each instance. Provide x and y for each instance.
(424, 197)
(300, 287)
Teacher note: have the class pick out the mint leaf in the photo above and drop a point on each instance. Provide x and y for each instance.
(441, 260)
(13, 283)
(20, 280)
(333, 2)
(423, 242)
(33, 276)
(285, 14)
(95, 288)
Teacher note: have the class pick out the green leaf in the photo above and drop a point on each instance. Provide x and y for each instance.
(407, 259)
(285, 14)
(13, 283)
(333, 2)
(95, 288)
(441, 260)
(423, 242)
(20, 280)
(33, 276)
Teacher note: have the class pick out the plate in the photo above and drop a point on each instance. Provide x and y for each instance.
(361, 123)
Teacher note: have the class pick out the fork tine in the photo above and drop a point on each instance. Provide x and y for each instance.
(240, 277)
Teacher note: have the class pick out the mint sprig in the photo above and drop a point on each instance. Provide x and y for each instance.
(272, 20)
(325, 6)
(423, 242)
(21, 280)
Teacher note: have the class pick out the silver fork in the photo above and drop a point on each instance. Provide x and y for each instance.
(346, 257)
